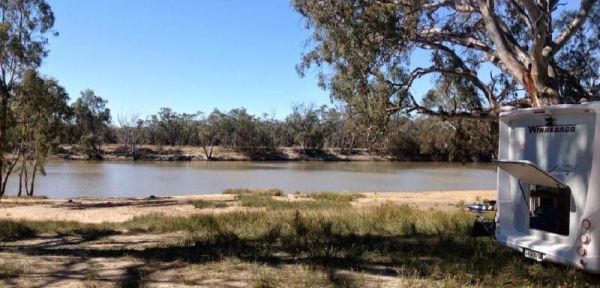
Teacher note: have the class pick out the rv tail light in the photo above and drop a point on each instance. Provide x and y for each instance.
(586, 223)
(586, 239)
(581, 251)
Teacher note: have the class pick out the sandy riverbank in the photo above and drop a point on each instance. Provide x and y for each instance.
(123, 209)
(116, 152)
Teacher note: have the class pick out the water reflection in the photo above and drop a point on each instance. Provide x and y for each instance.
(67, 179)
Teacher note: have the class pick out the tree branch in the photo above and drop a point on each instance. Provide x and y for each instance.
(466, 72)
(462, 39)
(576, 24)
(513, 65)
(483, 114)
(459, 6)
(523, 15)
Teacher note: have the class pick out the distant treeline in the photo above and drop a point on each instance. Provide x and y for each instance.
(40, 118)
(402, 137)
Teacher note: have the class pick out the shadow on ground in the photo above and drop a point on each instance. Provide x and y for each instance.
(454, 260)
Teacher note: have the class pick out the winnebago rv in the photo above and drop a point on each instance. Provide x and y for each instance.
(548, 184)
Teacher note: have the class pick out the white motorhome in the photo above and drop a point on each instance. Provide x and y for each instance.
(549, 184)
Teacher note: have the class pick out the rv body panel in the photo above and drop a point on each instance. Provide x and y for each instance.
(561, 141)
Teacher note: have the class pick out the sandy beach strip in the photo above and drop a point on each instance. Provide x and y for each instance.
(123, 209)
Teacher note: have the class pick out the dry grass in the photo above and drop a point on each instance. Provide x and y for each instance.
(320, 241)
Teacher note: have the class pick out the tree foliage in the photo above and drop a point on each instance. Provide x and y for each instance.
(91, 119)
(486, 51)
(23, 39)
(40, 111)
(310, 127)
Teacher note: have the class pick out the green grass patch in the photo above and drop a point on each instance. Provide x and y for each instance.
(203, 204)
(335, 196)
(14, 230)
(260, 192)
(268, 202)
(22, 229)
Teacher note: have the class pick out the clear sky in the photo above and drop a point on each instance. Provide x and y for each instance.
(187, 55)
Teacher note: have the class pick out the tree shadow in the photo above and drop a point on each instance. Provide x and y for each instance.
(473, 261)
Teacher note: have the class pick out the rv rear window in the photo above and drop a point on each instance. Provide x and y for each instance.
(550, 209)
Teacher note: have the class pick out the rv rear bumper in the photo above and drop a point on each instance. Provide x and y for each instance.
(561, 254)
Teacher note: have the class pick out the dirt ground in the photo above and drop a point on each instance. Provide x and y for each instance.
(123, 209)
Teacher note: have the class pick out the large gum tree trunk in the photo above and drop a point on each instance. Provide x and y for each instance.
(548, 96)
(540, 89)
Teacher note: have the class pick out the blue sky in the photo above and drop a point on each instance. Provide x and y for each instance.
(187, 55)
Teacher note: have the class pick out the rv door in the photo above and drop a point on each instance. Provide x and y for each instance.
(529, 173)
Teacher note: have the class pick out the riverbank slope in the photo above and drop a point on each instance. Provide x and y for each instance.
(118, 152)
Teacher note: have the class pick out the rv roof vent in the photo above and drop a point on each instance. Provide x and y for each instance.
(583, 100)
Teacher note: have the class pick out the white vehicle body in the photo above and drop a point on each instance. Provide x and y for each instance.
(548, 184)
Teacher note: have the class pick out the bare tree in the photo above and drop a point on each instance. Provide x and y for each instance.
(130, 132)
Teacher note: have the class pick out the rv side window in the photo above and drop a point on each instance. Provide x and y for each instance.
(550, 209)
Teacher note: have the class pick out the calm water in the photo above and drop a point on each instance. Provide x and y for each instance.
(67, 179)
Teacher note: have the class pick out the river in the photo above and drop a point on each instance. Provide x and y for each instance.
(72, 179)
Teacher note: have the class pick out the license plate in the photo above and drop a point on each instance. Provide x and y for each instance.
(537, 256)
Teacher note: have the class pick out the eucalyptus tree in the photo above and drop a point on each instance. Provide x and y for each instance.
(311, 126)
(40, 111)
(246, 133)
(92, 120)
(506, 52)
(209, 132)
(23, 44)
